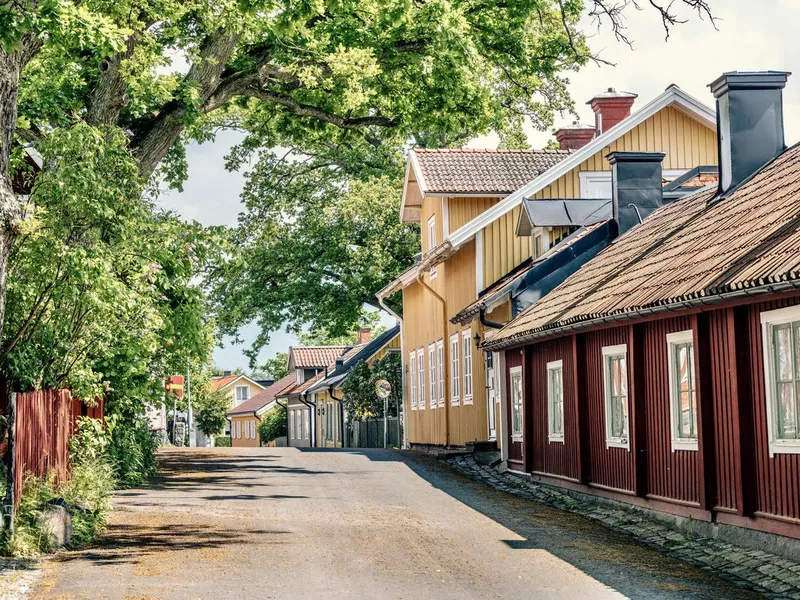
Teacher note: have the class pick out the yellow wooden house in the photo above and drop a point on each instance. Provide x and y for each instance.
(469, 204)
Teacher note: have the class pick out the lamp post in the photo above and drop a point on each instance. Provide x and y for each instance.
(383, 389)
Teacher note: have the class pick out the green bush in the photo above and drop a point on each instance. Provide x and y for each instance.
(273, 424)
(222, 441)
(132, 452)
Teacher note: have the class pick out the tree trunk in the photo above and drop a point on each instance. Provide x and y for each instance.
(10, 206)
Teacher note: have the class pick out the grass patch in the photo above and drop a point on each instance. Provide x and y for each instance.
(222, 441)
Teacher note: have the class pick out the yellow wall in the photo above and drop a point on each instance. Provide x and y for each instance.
(244, 432)
(325, 406)
(462, 210)
(253, 390)
(686, 142)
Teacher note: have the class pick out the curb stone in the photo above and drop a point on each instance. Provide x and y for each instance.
(772, 576)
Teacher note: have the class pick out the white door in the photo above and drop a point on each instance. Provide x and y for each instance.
(490, 402)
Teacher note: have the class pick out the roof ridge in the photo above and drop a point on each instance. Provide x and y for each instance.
(491, 150)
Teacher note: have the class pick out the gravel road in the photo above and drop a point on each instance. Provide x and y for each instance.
(291, 523)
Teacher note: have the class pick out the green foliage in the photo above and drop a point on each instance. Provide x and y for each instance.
(272, 425)
(91, 439)
(360, 400)
(312, 255)
(132, 451)
(210, 410)
(277, 365)
(324, 337)
(222, 441)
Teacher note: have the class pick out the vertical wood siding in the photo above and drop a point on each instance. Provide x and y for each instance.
(45, 420)
(669, 474)
(462, 210)
(778, 478)
(609, 467)
(516, 457)
(552, 458)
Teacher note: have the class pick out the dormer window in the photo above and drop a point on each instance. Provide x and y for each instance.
(540, 241)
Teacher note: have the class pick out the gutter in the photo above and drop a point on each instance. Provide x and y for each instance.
(642, 313)
(312, 406)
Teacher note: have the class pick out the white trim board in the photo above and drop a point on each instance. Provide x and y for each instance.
(672, 96)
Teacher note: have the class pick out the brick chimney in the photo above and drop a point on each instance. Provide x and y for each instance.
(575, 136)
(610, 108)
(364, 335)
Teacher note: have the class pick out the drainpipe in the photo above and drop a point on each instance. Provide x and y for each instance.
(286, 408)
(312, 406)
(341, 412)
(445, 355)
(382, 304)
(486, 322)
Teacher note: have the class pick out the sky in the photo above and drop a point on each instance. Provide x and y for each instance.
(750, 36)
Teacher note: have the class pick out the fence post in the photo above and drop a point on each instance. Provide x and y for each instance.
(8, 509)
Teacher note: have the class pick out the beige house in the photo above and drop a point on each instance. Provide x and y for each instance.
(245, 418)
(239, 388)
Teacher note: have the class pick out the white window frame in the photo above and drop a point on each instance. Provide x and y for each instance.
(292, 424)
(543, 233)
(675, 339)
(236, 394)
(432, 374)
(421, 378)
(412, 368)
(612, 441)
(440, 370)
(306, 415)
(466, 343)
(590, 181)
(455, 355)
(552, 435)
(432, 242)
(517, 435)
(769, 319)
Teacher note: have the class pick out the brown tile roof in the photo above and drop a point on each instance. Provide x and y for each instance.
(221, 382)
(296, 390)
(319, 357)
(486, 296)
(690, 250)
(468, 171)
(264, 397)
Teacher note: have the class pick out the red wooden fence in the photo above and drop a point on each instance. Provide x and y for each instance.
(44, 422)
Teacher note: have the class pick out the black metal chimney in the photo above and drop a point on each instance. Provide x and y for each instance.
(749, 122)
(635, 186)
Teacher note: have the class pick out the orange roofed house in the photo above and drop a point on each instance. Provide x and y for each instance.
(485, 256)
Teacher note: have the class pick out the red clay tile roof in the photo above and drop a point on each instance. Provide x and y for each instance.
(467, 171)
(264, 397)
(687, 251)
(221, 382)
(319, 357)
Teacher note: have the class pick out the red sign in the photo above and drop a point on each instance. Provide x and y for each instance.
(174, 384)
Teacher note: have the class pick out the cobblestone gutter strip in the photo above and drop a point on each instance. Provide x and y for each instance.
(18, 577)
(768, 574)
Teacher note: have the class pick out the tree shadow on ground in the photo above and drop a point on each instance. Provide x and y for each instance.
(612, 558)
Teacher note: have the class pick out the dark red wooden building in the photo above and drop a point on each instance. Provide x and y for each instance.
(666, 371)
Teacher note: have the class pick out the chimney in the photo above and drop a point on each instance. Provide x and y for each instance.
(226, 373)
(749, 123)
(635, 186)
(574, 136)
(610, 108)
(364, 335)
(339, 363)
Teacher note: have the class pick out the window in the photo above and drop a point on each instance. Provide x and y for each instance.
(466, 344)
(781, 339)
(328, 421)
(454, 376)
(539, 242)
(307, 426)
(615, 379)
(293, 425)
(440, 368)
(238, 430)
(421, 378)
(242, 394)
(247, 430)
(555, 401)
(682, 390)
(432, 241)
(432, 374)
(515, 376)
(412, 371)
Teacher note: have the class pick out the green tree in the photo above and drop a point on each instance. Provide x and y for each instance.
(210, 411)
(359, 397)
(272, 425)
(358, 79)
(277, 365)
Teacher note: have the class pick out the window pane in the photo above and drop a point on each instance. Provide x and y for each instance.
(623, 376)
(787, 417)
(783, 352)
